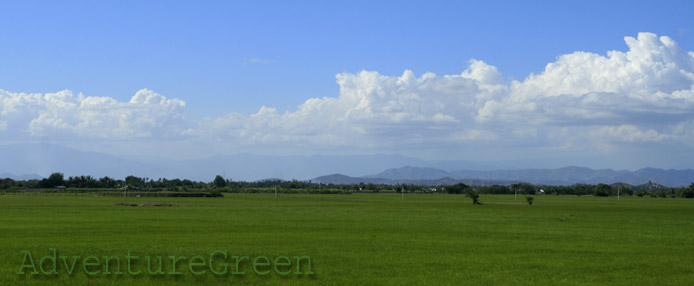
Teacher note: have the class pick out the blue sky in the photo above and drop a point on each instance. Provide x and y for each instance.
(225, 60)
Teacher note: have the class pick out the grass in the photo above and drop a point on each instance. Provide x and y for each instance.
(366, 239)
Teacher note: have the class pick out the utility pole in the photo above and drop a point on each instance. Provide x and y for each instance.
(402, 192)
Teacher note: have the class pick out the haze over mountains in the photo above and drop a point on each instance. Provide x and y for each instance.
(29, 161)
(44, 159)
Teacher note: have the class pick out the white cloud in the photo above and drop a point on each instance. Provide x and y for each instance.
(63, 114)
(580, 101)
(633, 96)
(374, 110)
(648, 87)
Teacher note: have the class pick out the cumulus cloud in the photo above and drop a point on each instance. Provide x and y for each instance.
(645, 94)
(374, 109)
(648, 87)
(640, 95)
(64, 114)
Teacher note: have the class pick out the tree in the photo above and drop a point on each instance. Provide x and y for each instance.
(134, 182)
(474, 195)
(686, 192)
(6, 183)
(457, 188)
(524, 188)
(624, 190)
(603, 190)
(219, 182)
(54, 180)
(107, 182)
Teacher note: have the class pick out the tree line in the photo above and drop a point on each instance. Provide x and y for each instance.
(58, 180)
(600, 190)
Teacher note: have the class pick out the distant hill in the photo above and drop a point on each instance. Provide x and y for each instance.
(573, 175)
(339, 179)
(666, 177)
(649, 187)
(560, 176)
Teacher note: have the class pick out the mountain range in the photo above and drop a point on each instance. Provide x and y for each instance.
(560, 176)
(31, 161)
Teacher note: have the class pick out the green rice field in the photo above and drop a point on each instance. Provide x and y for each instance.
(359, 239)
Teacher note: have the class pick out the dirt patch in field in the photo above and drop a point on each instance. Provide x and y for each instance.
(504, 203)
(148, 205)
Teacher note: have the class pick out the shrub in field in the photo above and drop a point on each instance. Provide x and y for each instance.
(530, 200)
(474, 195)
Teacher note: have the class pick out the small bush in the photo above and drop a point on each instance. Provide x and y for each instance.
(530, 200)
(216, 193)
